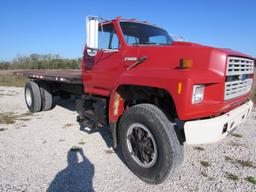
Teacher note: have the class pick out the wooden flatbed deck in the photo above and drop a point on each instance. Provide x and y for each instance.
(64, 75)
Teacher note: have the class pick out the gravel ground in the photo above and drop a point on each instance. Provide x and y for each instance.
(49, 151)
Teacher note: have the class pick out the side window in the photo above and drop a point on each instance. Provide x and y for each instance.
(107, 37)
(131, 39)
(158, 39)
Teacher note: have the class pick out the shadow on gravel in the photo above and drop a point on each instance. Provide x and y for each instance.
(77, 176)
(104, 131)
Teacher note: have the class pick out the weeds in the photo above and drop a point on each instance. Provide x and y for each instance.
(251, 179)
(236, 135)
(205, 163)
(11, 118)
(109, 151)
(11, 80)
(7, 118)
(2, 129)
(231, 176)
(236, 144)
(68, 125)
(199, 148)
(244, 163)
(81, 142)
(207, 176)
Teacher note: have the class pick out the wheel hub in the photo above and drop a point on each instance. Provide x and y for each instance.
(141, 145)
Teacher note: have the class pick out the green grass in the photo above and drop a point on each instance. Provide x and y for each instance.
(246, 163)
(243, 163)
(231, 176)
(251, 179)
(12, 80)
(81, 142)
(205, 163)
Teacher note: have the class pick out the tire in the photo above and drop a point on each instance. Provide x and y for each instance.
(159, 132)
(33, 96)
(46, 96)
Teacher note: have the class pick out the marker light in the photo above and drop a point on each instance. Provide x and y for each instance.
(185, 63)
(179, 88)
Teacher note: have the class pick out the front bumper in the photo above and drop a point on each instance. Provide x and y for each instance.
(215, 129)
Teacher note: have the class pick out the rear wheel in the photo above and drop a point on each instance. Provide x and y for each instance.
(33, 96)
(149, 143)
(46, 96)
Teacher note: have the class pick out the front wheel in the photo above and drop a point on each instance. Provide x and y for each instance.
(149, 143)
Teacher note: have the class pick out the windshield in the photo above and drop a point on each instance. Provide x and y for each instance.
(143, 34)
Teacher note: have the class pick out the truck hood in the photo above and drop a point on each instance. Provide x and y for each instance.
(228, 51)
(205, 59)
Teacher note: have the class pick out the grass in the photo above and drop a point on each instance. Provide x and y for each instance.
(199, 148)
(81, 142)
(205, 163)
(228, 158)
(246, 163)
(68, 125)
(236, 144)
(231, 176)
(251, 179)
(11, 118)
(109, 151)
(207, 176)
(236, 135)
(11, 80)
(7, 118)
(2, 129)
(243, 163)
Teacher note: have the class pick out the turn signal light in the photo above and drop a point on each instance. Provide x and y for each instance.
(185, 63)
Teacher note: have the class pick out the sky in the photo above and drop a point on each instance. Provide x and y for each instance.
(58, 26)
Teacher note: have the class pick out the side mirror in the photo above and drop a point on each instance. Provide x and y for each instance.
(92, 23)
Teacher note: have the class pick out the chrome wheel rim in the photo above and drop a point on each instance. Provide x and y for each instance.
(28, 97)
(141, 145)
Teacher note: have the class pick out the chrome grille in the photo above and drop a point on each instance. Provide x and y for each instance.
(238, 67)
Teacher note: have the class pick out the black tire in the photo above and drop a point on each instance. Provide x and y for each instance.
(46, 96)
(33, 96)
(169, 151)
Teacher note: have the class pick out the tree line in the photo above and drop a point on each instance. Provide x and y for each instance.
(39, 61)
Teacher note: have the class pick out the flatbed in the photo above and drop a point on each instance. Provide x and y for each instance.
(64, 75)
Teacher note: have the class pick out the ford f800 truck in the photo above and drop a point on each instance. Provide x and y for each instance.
(153, 93)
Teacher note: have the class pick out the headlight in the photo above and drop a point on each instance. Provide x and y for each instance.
(198, 94)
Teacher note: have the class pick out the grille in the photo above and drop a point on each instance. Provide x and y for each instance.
(238, 68)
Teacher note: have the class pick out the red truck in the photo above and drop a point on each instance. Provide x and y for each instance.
(154, 94)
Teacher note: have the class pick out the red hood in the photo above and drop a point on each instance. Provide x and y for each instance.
(226, 50)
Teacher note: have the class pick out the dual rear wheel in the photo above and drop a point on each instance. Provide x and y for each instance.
(38, 96)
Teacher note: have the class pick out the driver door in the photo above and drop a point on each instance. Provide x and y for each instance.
(103, 69)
